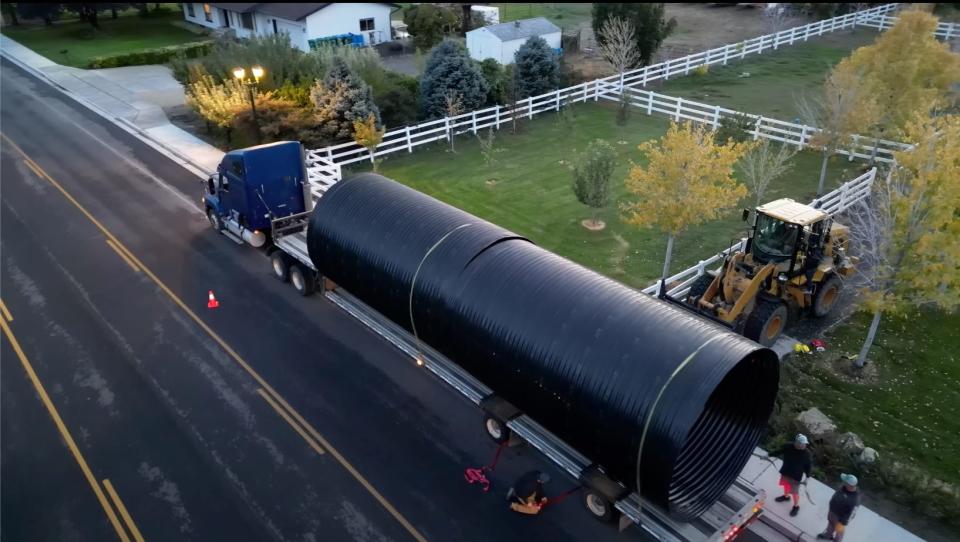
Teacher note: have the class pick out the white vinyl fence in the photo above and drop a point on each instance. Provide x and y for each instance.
(945, 31)
(833, 203)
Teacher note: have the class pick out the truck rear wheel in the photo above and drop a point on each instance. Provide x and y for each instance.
(280, 264)
(496, 430)
(214, 219)
(826, 297)
(303, 279)
(598, 506)
(766, 322)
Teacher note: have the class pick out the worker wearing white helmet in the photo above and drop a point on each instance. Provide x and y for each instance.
(797, 463)
(842, 506)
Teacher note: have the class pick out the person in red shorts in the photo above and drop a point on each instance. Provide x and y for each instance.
(797, 463)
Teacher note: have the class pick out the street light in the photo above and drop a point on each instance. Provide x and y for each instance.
(251, 84)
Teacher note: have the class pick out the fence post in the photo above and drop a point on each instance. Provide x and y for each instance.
(686, 70)
(530, 107)
(557, 106)
(329, 154)
(726, 55)
(716, 117)
(496, 117)
(743, 50)
(679, 102)
(446, 124)
(409, 143)
(473, 122)
(776, 41)
(756, 128)
(596, 90)
(650, 102)
(803, 137)
(853, 147)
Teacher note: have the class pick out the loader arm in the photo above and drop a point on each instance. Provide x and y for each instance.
(748, 293)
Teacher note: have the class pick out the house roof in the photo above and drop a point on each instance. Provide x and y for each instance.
(291, 12)
(521, 29)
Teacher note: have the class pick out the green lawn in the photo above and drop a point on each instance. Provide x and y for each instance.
(125, 34)
(775, 79)
(561, 14)
(912, 412)
(528, 191)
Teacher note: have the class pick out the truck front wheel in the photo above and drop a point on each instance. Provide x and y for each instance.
(280, 265)
(303, 279)
(598, 506)
(496, 430)
(214, 219)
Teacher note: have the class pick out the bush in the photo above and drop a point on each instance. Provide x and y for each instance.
(737, 127)
(495, 76)
(298, 94)
(449, 68)
(280, 120)
(160, 55)
(537, 69)
(396, 96)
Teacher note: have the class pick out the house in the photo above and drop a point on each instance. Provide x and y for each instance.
(308, 25)
(501, 41)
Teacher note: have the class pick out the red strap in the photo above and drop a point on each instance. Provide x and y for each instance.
(559, 498)
(476, 475)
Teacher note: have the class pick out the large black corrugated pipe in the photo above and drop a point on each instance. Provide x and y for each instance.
(599, 364)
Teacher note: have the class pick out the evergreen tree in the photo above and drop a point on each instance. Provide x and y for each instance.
(647, 20)
(449, 68)
(537, 69)
(339, 100)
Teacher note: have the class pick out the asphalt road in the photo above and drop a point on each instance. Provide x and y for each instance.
(130, 410)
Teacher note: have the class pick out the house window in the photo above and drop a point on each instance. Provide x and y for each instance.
(207, 13)
(190, 11)
(366, 24)
(246, 19)
(226, 18)
(275, 26)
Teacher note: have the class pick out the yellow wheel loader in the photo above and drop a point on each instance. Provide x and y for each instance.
(794, 255)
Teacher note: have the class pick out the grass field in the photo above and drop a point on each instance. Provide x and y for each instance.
(775, 79)
(561, 14)
(128, 33)
(529, 191)
(912, 411)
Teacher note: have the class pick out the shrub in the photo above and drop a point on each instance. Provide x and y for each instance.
(591, 176)
(701, 71)
(298, 94)
(737, 127)
(396, 97)
(339, 100)
(494, 75)
(160, 55)
(279, 120)
(537, 70)
(449, 68)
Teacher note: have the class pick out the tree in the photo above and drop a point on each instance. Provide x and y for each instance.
(688, 181)
(217, 103)
(908, 233)
(453, 106)
(647, 20)
(339, 100)
(428, 24)
(487, 149)
(493, 74)
(367, 134)
(47, 12)
(619, 49)
(591, 177)
(88, 12)
(450, 68)
(536, 69)
(12, 13)
(844, 107)
(907, 72)
(762, 164)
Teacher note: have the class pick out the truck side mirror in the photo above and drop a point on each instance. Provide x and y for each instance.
(746, 215)
(211, 187)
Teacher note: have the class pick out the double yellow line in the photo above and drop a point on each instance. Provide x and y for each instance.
(68, 438)
(311, 435)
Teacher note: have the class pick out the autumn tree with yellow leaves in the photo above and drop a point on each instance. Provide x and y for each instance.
(368, 135)
(217, 103)
(688, 180)
(908, 233)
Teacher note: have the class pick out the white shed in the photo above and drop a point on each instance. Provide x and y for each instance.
(502, 41)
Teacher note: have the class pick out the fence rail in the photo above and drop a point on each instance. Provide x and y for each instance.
(946, 31)
(833, 203)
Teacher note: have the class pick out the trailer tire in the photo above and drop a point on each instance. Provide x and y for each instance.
(699, 287)
(495, 429)
(599, 507)
(767, 321)
(214, 219)
(826, 297)
(304, 281)
(280, 264)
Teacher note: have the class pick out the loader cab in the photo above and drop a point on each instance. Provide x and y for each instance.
(788, 234)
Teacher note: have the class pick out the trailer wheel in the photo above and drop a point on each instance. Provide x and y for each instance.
(496, 430)
(280, 265)
(826, 297)
(598, 506)
(766, 322)
(214, 219)
(302, 279)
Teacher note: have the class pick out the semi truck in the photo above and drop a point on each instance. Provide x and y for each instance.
(263, 197)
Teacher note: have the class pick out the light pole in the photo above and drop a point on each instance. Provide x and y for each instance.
(251, 84)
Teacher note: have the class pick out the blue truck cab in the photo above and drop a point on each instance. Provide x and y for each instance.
(254, 186)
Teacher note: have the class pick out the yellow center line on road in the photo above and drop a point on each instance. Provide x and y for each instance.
(64, 432)
(229, 350)
(123, 511)
(123, 255)
(6, 313)
(313, 444)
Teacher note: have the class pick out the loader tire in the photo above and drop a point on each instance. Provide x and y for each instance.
(766, 322)
(699, 287)
(828, 292)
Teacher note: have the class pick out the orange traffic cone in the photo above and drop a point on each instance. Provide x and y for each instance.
(212, 302)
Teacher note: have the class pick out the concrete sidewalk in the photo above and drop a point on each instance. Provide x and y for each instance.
(132, 97)
(866, 525)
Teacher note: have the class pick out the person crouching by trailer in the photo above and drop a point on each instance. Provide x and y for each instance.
(797, 462)
(526, 496)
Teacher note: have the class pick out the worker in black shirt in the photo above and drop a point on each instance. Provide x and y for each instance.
(842, 505)
(526, 496)
(796, 463)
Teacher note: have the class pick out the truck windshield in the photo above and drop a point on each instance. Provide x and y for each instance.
(774, 239)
